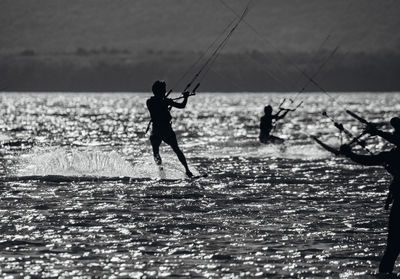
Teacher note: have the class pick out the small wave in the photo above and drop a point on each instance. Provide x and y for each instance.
(16, 144)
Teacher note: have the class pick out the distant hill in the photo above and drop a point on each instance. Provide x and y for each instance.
(47, 26)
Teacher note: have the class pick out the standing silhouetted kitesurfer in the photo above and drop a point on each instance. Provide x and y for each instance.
(391, 161)
(159, 107)
(267, 124)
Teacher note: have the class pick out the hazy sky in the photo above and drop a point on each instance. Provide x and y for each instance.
(190, 25)
(123, 45)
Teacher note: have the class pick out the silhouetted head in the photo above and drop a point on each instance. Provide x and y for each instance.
(268, 109)
(395, 122)
(159, 88)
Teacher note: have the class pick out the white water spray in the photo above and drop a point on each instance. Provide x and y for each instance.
(96, 163)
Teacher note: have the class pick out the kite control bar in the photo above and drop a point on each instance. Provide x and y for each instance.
(370, 126)
(281, 108)
(191, 93)
(354, 139)
(338, 125)
(359, 118)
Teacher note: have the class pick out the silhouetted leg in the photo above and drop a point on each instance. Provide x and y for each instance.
(171, 140)
(263, 139)
(393, 241)
(155, 144)
(182, 159)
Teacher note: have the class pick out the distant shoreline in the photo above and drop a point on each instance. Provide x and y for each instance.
(254, 71)
(200, 93)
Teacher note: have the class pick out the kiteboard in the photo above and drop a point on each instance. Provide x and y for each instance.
(272, 140)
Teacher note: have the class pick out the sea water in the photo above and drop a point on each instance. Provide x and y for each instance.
(268, 211)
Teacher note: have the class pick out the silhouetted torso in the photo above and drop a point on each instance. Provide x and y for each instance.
(392, 165)
(159, 112)
(391, 161)
(266, 126)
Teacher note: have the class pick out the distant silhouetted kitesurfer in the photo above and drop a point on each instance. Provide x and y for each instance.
(267, 122)
(391, 161)
(159, 107)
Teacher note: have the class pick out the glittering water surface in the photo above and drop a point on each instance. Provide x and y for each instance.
(275, 211)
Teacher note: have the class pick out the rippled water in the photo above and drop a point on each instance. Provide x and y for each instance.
(80, 195)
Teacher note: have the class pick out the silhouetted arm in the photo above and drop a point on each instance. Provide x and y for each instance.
(275, 116)
(388, 136)
(368, 160)
(177, 105)
(283, 114)
(278, 117)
